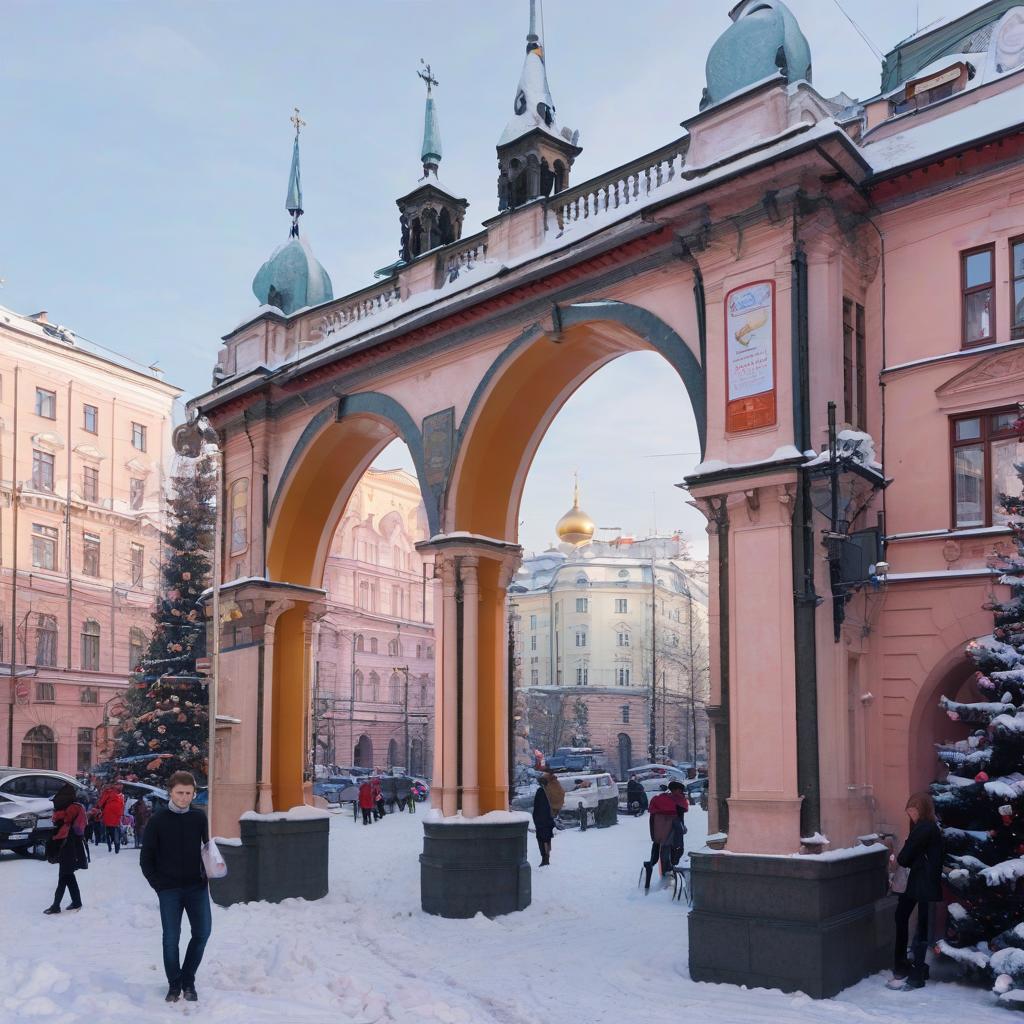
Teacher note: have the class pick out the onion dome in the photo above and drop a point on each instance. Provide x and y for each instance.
(293, 278)
(576, 527)
(763, 41)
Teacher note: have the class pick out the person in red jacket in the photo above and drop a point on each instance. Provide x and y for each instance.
(667, 830)
(378, 798)
(366, 803)
(111, 808)
(68, 846)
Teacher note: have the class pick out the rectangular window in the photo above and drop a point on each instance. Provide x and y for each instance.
(625, 714)
(90, 554)
(533, 622)
(139, 437)
(622, 676)
(91, 419)
(44, 693)
(44, 546)
(985, 450)
(534, 676)
(87, 695)
(138, 554)
(46, 641)
(622, 640)
(581, 675)
(581, 604)
(581, 638)
(862, 381)
(91, 647)
(46, 403)
(84, 749)
(621, 606)
(533, 643)
(1017, 288)
(137, 492)
(91, 484)
(977, 289)
(848, 363)
(42, 471)
(854, 359)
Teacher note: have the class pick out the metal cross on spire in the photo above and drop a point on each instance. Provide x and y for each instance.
(427, 75)
(297, 121)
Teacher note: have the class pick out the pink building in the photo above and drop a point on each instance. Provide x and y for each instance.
(84, 441)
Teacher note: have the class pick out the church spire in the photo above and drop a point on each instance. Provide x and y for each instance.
(293, 204)
(430, 153)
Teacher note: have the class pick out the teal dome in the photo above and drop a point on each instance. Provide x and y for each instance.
(292, 278)
(763, 40)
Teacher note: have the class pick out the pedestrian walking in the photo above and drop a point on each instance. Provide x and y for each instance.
(403, 791)
(921, 855)
(366, 804)
(67, 847)
(547, 802)
(111, 809)
(141, 813)
(172, 862)
(666, 827)
(378, 798)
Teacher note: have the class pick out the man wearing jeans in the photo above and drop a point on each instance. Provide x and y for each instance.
(171, 860)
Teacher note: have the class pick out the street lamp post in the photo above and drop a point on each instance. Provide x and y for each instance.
(404, 669)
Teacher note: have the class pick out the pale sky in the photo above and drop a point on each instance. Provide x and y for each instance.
(148, 145)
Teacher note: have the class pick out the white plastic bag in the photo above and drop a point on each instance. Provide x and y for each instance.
(213, 861)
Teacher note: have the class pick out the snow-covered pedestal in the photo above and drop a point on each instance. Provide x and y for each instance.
(279, 856)
(814, 924)
(471, 866)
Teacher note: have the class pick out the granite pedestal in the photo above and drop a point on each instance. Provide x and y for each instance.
(278, 859)
(814, 924)
(472, 868)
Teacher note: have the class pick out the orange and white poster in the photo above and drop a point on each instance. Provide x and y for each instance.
(750, 356)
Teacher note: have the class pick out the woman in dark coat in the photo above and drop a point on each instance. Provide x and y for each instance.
(69, 843)
(547, 802)
(922, 855)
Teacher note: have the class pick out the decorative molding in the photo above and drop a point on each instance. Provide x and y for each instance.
(89, 452)
(48, 441)
(1004, 368)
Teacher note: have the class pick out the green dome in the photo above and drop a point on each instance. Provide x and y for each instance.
(763, 40)
(292, 278)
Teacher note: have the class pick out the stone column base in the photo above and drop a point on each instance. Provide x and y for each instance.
(808, 924)
(467, 869)
(276, 861)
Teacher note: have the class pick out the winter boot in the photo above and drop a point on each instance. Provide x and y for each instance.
(173, 994)
(189, 992)
(55, 909)
(75, 906)
(645, 873)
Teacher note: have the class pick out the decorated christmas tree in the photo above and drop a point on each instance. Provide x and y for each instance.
(165, 725)
(981, 803)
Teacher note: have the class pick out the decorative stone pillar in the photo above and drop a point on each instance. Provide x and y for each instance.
(470, 682)
(448, 687)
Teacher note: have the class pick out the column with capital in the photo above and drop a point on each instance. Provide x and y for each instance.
(447, 686)
(470, 686)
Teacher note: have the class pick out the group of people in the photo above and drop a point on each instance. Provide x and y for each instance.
(172, 843)
(109, 818)
(372, 799)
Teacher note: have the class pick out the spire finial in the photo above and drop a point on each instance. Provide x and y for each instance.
(430, 153)
(532, 37)
(576, 489)
(293, 204)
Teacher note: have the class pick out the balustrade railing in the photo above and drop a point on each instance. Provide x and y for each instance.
(624, 186)
(360, 305)
(462, 256)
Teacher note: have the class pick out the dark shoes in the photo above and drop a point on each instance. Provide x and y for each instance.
(189, 992)
(52, 910)
(74, 906)
(544, 861)
(173, 994)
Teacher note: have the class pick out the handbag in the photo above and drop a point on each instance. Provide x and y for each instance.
(898, 881)
(54, 849)
(213, 861)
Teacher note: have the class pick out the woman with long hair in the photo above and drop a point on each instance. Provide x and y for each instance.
(922, 856)
(67, 848)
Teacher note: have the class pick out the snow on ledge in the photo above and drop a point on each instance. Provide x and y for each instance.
(300, 813)
(436, 817)
(224, 841)
(843, 853)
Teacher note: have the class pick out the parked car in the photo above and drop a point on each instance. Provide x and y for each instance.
(35, 782)
(156, 796)
(25, 824)
(331, 788)
(596, 792)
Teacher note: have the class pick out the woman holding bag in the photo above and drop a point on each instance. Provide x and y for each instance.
(919, 885)
(66, 848)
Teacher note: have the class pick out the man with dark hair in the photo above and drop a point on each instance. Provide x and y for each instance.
(172, 862)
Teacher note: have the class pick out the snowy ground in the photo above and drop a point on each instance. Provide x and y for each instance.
(591, 948)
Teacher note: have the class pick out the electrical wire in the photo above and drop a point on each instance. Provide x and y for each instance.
(874, 49)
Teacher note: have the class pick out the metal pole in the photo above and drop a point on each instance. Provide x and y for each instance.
(352, 699)
(215, 658)
(15, 492)
(652, 742)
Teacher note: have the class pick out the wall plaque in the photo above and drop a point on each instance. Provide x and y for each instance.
(438, 445)
(750, 356)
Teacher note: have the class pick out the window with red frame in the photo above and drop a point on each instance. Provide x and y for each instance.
(985, 448)
(1017, 288)
(977, 288)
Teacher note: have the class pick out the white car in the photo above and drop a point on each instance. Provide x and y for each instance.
(25, 824)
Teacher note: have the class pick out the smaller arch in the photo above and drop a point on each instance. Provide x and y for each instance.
(395, 688)
(392, 753)
(363, 753)
(374, 682)
(373, 645)
(416, 758)
(39, 748)
(358, 685)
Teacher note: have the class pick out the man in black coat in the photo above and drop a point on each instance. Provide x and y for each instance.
(172, 862)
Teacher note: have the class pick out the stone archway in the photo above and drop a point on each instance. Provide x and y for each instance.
(362, 756)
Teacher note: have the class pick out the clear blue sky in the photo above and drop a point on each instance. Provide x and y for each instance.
(147, 151)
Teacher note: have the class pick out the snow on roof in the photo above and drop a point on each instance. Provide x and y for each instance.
(918, 141)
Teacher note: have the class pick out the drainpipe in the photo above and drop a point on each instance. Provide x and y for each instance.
(15, 493)
(67, 537)
(805, 600)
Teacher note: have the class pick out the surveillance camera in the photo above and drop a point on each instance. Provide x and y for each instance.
(881, 568)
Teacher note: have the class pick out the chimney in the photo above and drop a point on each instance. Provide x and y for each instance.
(40, 317)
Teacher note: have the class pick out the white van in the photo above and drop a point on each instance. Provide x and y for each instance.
(596, 793)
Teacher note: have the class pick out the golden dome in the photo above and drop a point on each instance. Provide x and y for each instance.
(575, 527)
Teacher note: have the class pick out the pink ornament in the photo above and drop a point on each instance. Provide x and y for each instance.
(953, 716)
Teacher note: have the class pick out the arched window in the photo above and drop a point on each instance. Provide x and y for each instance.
(395, 685)
(394, 648)
(357, 685)
(424, 683)
(364, 594)
(359, 641)
(392, 753)
(136, 647)
(373, 645)
(91, 646)
(46, 640)
(39, 749)
(419, 650)
(374, 687)
(416, 757)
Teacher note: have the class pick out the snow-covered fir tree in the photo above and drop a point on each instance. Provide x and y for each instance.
(166, 703)
(981, 803)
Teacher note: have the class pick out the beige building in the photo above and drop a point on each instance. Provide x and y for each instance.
(84, 442)
(374, 685)
(594, 624)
